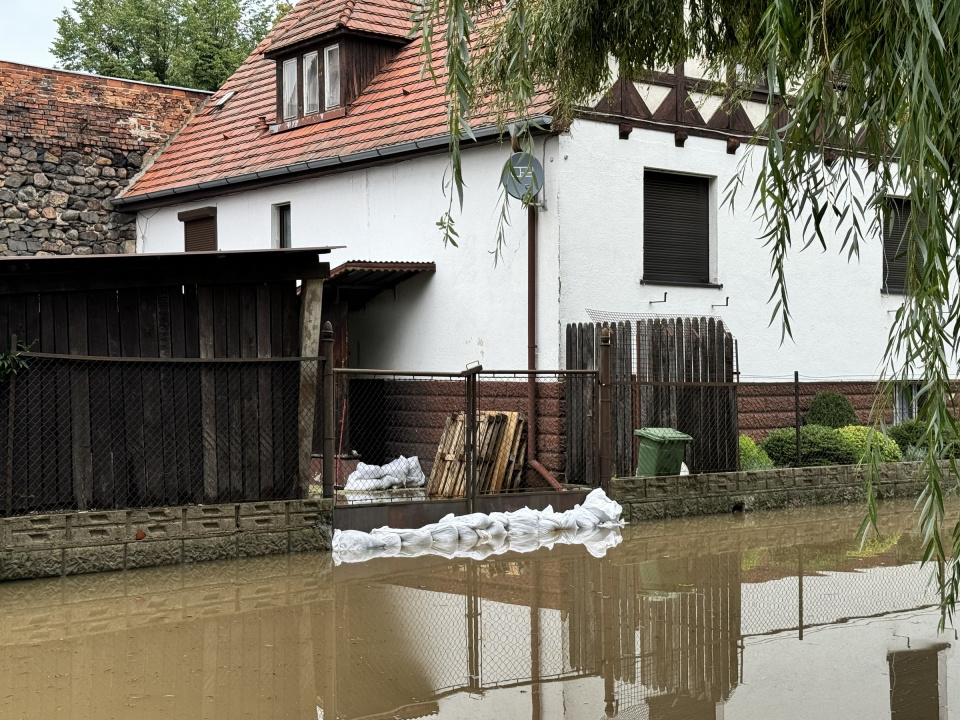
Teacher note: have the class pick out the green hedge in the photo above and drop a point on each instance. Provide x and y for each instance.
(831, 409)
(857, 436)
(819, 445)
(909, 432)
(753, 457)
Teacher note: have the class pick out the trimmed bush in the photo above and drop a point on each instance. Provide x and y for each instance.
(914, 453)
(909, 432)
(819, 445)
(831, 409)
(753, 457)
(856, 437)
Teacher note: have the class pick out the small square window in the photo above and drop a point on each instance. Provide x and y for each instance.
(311, 83)
(290, 89)
(282, 233)
(331, 76)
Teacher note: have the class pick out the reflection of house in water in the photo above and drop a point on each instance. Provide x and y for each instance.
(656, 630)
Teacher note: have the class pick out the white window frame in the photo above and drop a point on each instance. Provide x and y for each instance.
(328, 87)
(292, 62)
(311, 104)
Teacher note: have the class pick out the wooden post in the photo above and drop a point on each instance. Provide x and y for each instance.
(796, 410)
(329, 411)
(605, 449)
(311, 303)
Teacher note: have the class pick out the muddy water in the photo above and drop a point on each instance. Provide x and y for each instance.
(774, 615)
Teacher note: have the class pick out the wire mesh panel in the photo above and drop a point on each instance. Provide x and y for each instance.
(397, 432)
(89, 433)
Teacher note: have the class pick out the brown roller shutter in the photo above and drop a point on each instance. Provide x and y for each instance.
(199, 229)
(895, 235)
(676, 228)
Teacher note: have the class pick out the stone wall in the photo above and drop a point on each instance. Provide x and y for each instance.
(87, 542)
(707, 494)
(69, 143)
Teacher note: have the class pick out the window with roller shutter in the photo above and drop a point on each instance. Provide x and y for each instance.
(895, 233)
(676, 229)
(199, 229)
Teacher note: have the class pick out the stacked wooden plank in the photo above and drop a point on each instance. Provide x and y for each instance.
(501, 448)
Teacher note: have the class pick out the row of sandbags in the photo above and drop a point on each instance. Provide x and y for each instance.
(595, 524)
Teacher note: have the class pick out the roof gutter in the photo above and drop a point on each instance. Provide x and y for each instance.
(312, 167)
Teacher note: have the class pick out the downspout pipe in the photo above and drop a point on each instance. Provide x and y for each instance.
(532, 350)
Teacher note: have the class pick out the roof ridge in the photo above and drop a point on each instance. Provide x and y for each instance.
(347, 12)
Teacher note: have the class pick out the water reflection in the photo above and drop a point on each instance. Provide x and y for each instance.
(773, 615)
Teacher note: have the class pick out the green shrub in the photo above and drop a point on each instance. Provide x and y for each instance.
(909, 432)
(753, 457)
(914, 453)
(819, 445)
(830, 409)
(856, 437)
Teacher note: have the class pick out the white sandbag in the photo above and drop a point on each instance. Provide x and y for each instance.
(497, 533)
(415, 542)
(467, 536)
(606, 510)
(523, 521)
(415, 476)
(445, 539)
(684, 470)
(477, 521)
(354, 546)
(390, 538)
(502, 518)
(584, 519)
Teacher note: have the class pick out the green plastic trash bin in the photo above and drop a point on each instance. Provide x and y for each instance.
(661, 451)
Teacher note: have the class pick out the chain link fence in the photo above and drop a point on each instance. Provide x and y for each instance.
(408, 436)
(111, 433)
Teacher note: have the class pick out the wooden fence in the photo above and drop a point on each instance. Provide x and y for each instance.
(182, 382)
(665, 372)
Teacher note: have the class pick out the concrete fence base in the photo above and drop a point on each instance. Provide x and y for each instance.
(707, 494)
(73, 543)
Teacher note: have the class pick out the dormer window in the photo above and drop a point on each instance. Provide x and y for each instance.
(331, 59)
(300, 82)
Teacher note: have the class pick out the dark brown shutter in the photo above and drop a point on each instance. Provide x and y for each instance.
(895, 235)
(199, 229)
(676, 228)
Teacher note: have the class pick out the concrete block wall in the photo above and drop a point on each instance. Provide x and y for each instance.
(87, 542)
(707, 494)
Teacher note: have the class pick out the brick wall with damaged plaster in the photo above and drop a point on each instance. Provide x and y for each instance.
(74, 543)
(69, 143)
(707, 494)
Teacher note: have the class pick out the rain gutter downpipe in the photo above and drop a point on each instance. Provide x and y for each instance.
(532, 350)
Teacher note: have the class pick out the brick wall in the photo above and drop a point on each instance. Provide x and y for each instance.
(87, 542)
(645, 498)
(69, 143)
(389, 418)
(763, 407)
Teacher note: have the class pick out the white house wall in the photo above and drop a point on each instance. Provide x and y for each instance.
(468, 311)
(840, 319)
(590, 256)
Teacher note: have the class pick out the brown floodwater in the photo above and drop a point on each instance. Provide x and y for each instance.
(769, 615)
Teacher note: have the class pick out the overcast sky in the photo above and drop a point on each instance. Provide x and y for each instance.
(29, 30)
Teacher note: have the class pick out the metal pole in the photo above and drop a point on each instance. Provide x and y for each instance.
(796, 410)
(606, 406)
(10, 425)
(800, 588)
(329, 410)
(470, 441)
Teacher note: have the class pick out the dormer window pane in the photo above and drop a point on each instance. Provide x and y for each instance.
(311, 83)
(290, 89)
(331, 76)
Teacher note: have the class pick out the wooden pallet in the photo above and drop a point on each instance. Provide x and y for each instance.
(501, 443)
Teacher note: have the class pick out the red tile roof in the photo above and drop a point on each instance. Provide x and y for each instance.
(318, 17)
(398, 107)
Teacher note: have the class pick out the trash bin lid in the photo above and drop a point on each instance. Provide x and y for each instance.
(662, 434)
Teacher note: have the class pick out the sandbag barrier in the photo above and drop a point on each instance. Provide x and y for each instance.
(595, 525)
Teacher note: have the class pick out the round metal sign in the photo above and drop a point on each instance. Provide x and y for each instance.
(522, 176)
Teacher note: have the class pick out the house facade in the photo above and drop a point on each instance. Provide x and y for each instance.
(328, 135)
(69, 143)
